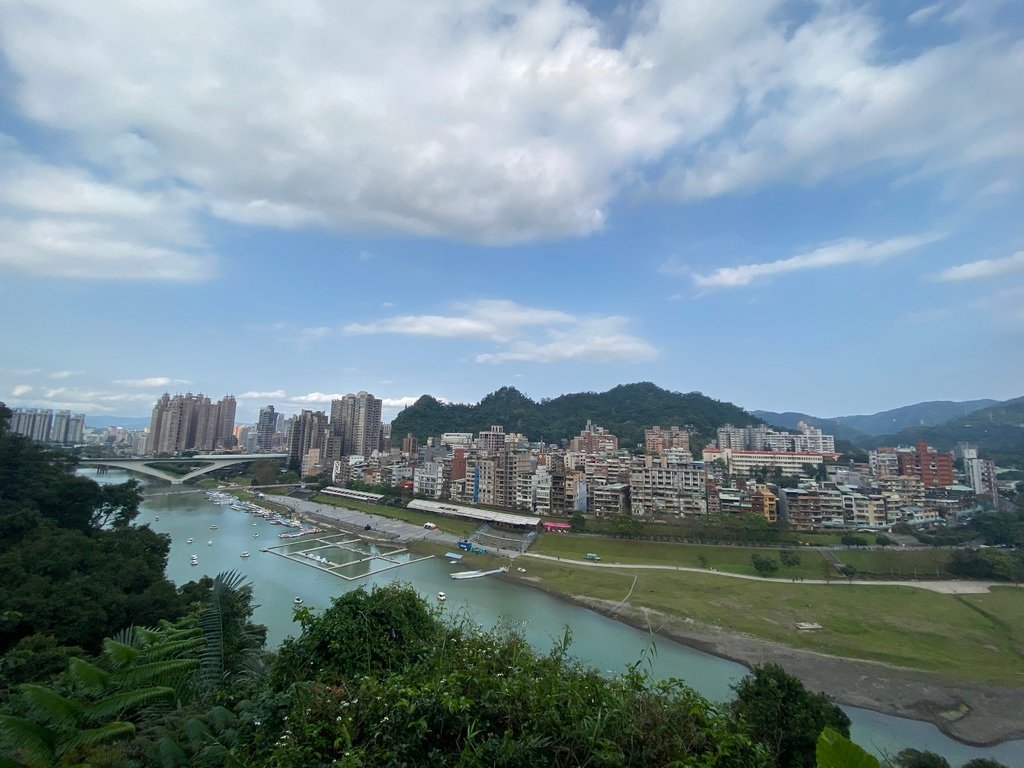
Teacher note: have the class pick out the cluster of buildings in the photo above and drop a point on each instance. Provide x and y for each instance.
(45, 426)
(751, 471)
(190, 423)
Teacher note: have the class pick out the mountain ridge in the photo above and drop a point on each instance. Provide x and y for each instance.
(624, 410)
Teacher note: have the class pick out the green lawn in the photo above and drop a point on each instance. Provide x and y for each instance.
(722, 558)
(978, 637)
(448, 525)
(923, 563)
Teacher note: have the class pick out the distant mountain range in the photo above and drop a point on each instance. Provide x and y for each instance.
(625, 411)
(995, 427)
(855, 428)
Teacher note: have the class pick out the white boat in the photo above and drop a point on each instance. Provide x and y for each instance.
(209, 543)
(297, 600)
(245, 554)
(190, 540)
(477, 574)
(213, 527)
(255, 535)
(195, 560)
(442, 596)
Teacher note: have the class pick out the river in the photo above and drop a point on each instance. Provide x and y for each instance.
(596, 640)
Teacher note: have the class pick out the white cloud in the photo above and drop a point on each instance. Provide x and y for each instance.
(525, 333)
(63, 222)
(975, 270)
(64, 374)
(314, 398)
(151, 381)
(398, 402)
(1006, 306)
(600, 340)
(277, 394)
(841, 252)
(487, 120)
(20, 389)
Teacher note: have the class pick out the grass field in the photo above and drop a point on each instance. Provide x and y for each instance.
(448, 525)
(916, 563)
(722, 558)
(978, 637)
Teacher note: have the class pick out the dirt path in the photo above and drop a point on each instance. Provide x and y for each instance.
(945, 587)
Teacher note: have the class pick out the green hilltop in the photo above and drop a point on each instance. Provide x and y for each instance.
(625, 411)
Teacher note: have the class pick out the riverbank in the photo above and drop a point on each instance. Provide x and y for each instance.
(973, 713)
(970, 712)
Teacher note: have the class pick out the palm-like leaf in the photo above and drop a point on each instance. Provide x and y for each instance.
(48, 706)
(101, 735)
(33, 743)
(116, 703)
(88, 676)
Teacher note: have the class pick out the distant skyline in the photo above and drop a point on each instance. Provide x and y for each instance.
(793, 206)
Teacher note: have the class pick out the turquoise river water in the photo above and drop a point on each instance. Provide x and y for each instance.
(596, 640)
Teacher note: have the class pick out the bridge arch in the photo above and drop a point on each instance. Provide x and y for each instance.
(144, 466)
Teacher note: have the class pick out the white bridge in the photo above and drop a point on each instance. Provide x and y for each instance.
(202, 464)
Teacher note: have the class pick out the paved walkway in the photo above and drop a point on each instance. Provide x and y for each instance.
(382, 527)
(945, 587)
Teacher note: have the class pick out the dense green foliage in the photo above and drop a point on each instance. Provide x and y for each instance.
(72, 564)
(783, 715)
(166, 696)
(625, 411)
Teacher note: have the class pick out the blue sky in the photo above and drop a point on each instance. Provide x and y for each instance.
(810, 206)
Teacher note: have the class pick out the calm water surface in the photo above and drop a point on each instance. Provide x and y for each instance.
(597, 641)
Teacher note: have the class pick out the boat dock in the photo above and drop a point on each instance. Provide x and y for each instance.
(338, 553)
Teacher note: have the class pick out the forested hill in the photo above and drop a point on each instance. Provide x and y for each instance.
(625, 411)
(997, 431)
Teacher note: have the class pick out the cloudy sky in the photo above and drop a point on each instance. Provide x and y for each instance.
(812, 205)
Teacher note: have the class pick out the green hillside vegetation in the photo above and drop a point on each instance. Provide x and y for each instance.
(998, 432)
(625, 411)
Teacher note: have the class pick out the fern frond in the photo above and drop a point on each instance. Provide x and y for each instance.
(165, 672)
(117, 703)
(47, 705)
(33, 742)
(87, 676)
(93, 736)
(120, 654)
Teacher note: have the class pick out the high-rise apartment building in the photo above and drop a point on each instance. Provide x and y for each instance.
(191, 422)
(306, 439)
(356, 425)
(935, 468)
(266, 428)
(44, 426)
(657, 439)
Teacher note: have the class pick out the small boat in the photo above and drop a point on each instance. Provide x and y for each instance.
(209, 543)
(245, 554)
(255, 535)
(297, 600)
(213, 527)
(157, 519)
(190, 540)
(442, 596)
(255, 523)
(195, 560)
